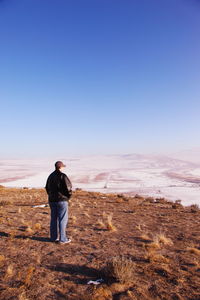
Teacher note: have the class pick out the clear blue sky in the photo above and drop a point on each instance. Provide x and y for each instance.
(99, 76)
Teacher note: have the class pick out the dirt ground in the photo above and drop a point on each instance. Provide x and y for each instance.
(161, 238)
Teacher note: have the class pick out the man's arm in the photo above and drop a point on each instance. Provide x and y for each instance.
(68, 183)
(47, 186)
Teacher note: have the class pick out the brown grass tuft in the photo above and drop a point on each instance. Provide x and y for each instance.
(145, 237)
(86, 214)
(80, 205)
(153, 256)
(98, 293)
(29, 230)
(12, 234)
(162, 239)
(193, 250)
(100, 223)
(153, 246)
(139, 227)
(73, 218)
(120, 268)
(160, 200)
(9, 271)
(5, 203)
(150, 199)
(159, 240)
(109, 223)
(22, 296)
(194, 208)
(37, 226)
(2, 260)
(27, 280)
(139, 197)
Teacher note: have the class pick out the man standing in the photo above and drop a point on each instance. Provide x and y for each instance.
(59, 190)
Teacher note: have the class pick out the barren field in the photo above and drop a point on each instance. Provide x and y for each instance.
(141, 248)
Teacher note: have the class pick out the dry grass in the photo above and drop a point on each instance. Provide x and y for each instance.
(139, 197)
(194, 208)
(73, 219)
(5, 203)
(160, 239)
(130, 294)
(194, 250)
(37, 226)
(153, 248)
(120, 268)
(29, 275)
(9, 271)
(145, 237)
(150, 199)
(12, 234)
(2, 260)
(104, 215)
(86, 214)
(164, 240)
(139, 227)
(22, 296)
(100, 223)
(80, 205)
(109, 224)
(98, 293)
(29, 230)
(153, 256)
(106, 222)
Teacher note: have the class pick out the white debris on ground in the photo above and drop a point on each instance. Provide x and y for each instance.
(96, 282)
(42, 205)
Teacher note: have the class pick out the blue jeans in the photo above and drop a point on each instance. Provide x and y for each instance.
(59, 219)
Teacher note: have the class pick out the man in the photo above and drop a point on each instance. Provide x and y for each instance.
(59, 190)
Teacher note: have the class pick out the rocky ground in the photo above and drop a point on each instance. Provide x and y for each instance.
(142, 248)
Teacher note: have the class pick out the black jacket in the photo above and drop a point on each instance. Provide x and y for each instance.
(58, 187)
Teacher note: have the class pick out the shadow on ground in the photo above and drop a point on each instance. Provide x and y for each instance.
(76, 273)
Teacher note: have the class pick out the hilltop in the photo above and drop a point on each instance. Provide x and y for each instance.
(143, 248)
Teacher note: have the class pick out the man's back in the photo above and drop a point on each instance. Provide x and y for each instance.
(58, 187)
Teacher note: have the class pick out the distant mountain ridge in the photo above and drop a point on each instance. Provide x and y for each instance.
(174, 177)
(191, 155)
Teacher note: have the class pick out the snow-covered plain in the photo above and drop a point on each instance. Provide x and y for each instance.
(151, 175)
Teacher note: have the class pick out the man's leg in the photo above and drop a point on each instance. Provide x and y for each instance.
(63, 219)
(54, 221)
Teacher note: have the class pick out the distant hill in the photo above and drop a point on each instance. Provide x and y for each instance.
(192, 155)
(155, 175)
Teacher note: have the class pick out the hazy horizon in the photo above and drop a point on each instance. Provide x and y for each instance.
(187, 154)
(152, 175)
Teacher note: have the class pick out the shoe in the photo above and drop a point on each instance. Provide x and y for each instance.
(66, 242)
(55, 241)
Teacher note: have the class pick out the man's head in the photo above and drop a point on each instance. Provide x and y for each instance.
(59, 165)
